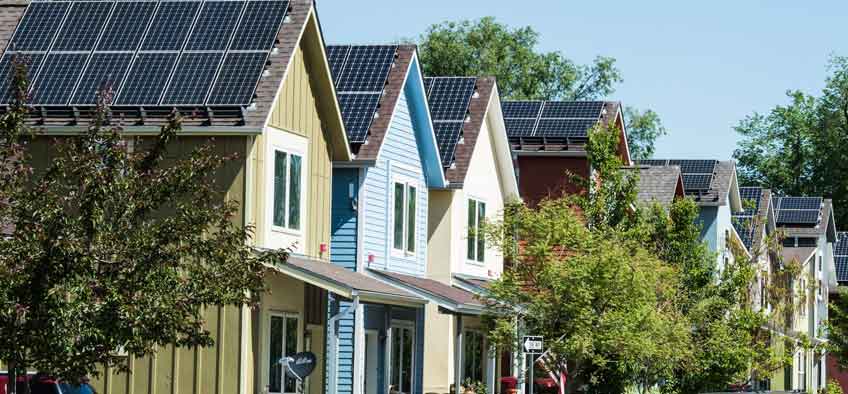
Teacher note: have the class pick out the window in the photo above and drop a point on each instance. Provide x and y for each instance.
(820, 263)
(402, 359)
(476, 238)
(404, 217)
(288, 168)
(472, 356)
(283, 343)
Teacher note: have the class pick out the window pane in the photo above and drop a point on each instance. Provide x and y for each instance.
(398, 222)
(280, 159)
(294, 192)
(481, 240)
(472, 223)
(291, 349)
(472, 356)
(410, 219)
(275, 371)
(394, 367)
(406, 368)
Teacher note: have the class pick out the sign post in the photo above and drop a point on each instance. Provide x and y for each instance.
(532, 346)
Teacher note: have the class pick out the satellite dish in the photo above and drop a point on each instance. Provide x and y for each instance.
(300, 365)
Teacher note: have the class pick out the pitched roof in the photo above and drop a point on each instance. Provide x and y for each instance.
(840, 252)
(758, 215)
(719, 186)
(446, 296)
(801, 255)
(658, 184)
(823, 223)
(461, 143)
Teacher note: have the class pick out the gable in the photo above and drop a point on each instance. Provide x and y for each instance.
(419, 113)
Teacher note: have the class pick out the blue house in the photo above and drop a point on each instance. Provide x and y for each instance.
(379, 214)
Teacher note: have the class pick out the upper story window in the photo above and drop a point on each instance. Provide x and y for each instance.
(807, 242)
(405, 200)
(476, 238)
(288, 169)
(820, 264)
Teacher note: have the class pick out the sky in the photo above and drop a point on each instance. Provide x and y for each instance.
(702, 66)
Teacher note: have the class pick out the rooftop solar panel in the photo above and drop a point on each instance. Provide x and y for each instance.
(146, 79)
(105, 69)
(126, 26)
(800, 203)
(336, 55)
(82, 26)
(170, 26)
(573, 109)
(357, 112)
(697, 182)
(447, 136)
(55, 82)
(237, 78)
(259, 25)
(840, 248)
(449, 97)
(518, 127)
(33, 62)
(695, 166)
(192, 78)
(842, 269)
(792, 216)
(366, 68)
(521, 109)
(650, 162)
(751, 199)
(214, 26)
(38, 26)
(571, 128)
(744, 226)
(428, 84)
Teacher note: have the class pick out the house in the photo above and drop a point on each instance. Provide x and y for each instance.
(714, 187)
(548, 139)
(380, 214)
(250, 77)
(840, 256)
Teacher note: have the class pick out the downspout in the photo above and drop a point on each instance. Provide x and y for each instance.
(334, 342)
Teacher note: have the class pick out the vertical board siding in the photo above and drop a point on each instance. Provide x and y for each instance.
(296, 111)
(399, 156)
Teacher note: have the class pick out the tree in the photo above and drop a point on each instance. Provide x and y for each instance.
(110, 245)
(800, 148)
(487, 47)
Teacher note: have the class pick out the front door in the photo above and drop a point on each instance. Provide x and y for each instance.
(372, 353)
(283, 340)
(402, 358)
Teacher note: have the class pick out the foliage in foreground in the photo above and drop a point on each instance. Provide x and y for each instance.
(626, 294)
(110, 245)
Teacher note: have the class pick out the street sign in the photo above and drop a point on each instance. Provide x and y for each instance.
(532, 344)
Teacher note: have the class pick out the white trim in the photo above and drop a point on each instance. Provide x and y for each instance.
(404, 325)
(408, 182)
(361, 256)
(266, 363)
(477, 201)
(503, 150)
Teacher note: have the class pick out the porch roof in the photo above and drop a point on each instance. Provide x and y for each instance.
(446, 296)
(345, 283)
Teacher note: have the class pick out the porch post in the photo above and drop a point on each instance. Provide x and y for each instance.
(491, 368)
(457, 356)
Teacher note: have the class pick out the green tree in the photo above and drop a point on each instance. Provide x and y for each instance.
(110, 245)
(488, 47)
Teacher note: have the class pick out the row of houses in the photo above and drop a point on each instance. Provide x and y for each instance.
(375, 176)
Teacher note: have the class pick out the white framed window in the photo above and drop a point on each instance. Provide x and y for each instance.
(283, 341)
(473, 355)
(404, 218)
(287, 204)
(476, 239)
(402, 358)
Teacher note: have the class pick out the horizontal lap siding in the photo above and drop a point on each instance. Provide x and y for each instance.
(399, 156)
(343, 253)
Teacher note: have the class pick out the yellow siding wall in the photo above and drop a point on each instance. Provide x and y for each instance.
(296, 111)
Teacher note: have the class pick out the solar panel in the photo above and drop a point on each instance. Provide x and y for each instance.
(366, 68)
(800, 203)
(519, 127)
(170, 26)
(840, 248)
(695, 166)
(447, 135)
(126, 26)
(259, 25)
(572, 109)
(564, 127)
(55, 82)
(751, 199)
(82, 26)
(104, 69)
(357, 112)
(38, 26)
(336, 55)
(146, 79)
(214, 25)
(521, 109)
(797, 216)
(744, 226)
(32, 60)
(650, 162)
(237, 78)
(428, 84)
(841, 269)
(449, 98)
(192, 78)
(697, 182)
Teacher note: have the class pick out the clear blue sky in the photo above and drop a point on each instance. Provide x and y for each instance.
(702, 66)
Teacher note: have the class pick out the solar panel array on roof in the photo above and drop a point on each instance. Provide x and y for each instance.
(697, 174)
(151, 53)
(798, 211)
(359, 74)
(551, 119)
(840, 252)
(744, 222)
(449, 98)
